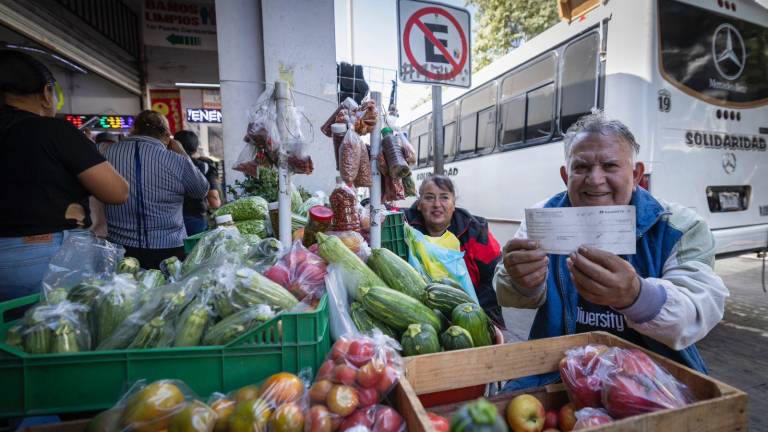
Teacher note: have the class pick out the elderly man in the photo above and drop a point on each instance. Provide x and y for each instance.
(665, 297)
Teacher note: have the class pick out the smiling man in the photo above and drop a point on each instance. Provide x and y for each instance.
(665, 298)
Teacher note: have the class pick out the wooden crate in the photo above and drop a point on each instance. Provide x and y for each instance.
(720, 407)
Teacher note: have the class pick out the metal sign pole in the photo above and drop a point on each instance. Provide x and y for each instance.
(437, 127)
(284, 177)
(376, 209)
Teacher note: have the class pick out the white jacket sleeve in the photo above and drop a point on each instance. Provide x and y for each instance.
(682, 306)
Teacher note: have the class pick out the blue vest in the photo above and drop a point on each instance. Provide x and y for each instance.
(557, 316)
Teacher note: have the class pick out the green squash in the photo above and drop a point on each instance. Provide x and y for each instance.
(473, 319)
(419, 339)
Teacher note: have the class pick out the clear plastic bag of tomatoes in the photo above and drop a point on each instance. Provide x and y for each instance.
(355, 378)
(582, 371)
(278, 404)
(301, 272)
(160, 405)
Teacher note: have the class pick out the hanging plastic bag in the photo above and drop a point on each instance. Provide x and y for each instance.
(262, 138)
(301, 272)
(437, 262)
(350, 156)
(366, 117)
(344, 205)
(82, 257)
(364, 176)
(409, 153)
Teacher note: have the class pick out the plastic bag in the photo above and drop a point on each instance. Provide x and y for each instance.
(299, 134)
(409, 153)
(437, 262)
(589, 417)
(312, 201)
(171, 268)
(253, 227)
(638, 385)
(215, 243)
(301, 272)
(350, 156)
(197, 317)
(354, 241)
(57, 328)
(247, 208)
(364, 176)
(392, 187)
(264, 254)
(357, 374)
(344, 205)
(262, 138)
(82, 257)
(393, 153)
(582, 371)
(253, 288)
(376, 418)
(338, 296)
(237, 324)
(366, 117)
(118, 299)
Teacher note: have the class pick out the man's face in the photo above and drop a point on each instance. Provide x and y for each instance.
(601, 171)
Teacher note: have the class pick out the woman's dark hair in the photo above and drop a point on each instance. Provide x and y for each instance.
(188, 140)
(21, 74)
(441, 181)
(150, 123)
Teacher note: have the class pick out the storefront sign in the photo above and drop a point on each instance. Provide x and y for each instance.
(180, 24)
(212, 99)
(116, 122)
(202, 115)
(434, 43)
(168, 103)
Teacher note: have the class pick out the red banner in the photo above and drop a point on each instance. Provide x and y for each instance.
(168, 103)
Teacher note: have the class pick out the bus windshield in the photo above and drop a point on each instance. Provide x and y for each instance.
(712, 56)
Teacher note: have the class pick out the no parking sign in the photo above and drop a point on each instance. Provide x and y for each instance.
(434, 42)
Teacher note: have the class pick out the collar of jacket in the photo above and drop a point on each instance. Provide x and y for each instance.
(145, 139)
(648, 209)
(460, 220)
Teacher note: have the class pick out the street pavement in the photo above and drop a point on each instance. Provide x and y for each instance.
(736, 350)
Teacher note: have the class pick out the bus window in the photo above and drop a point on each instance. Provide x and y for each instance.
(449, 137)
(423, 148)
(579, 80)
(513, 120)
(468, 134)
(540, 108)
(486, 128)
(519, 81)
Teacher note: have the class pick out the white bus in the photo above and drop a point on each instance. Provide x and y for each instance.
(689, 78)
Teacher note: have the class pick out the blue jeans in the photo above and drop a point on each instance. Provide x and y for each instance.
(195, 225)
(23, 264)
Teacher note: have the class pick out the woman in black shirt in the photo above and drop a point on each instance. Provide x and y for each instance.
(48, 171)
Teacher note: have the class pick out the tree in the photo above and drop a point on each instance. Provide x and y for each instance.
(502, 25)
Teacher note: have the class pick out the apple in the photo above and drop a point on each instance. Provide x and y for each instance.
(626, 395)
(550, 419)
(525, 413)
(566, 417)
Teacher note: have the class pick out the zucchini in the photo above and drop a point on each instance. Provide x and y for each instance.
(473, 319)
(334, 251)
(396, 309)
(365, 322)
(151, 334)
(64, 338)
(456, 338)
(128, 265)
(254, 288)
(419, 339)
(235, 325)
(445, 298)
(397, 273)
(192, 325)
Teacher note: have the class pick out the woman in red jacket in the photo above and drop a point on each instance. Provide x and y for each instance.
(435, 212)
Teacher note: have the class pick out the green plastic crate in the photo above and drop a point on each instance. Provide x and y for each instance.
(393, 234)
(191, 241)
(94, 380)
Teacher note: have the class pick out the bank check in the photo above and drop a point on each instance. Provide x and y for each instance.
(561, 231)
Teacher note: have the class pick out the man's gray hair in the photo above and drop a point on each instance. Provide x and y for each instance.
(598, 123)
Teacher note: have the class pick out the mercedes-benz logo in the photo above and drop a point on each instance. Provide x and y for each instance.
(729, 163)
(728, 51)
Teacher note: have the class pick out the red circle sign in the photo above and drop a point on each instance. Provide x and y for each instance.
(415, 19)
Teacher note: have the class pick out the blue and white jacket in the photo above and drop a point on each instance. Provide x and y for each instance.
(681, 298)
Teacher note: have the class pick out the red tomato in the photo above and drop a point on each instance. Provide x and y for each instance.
(319, 391)
(387, 381)
(279, 274)
(368, 396)
(360, 352)
(344, 374)
(339, 350)
(342, 400)
(319, 419)
(361, 417)
(440, 423)
(326, 370)
(370, 374)
(387, 420)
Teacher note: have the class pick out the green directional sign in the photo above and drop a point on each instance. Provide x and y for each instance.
(175, 39)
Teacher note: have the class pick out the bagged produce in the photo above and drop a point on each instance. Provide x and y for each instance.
(197, 317)
(350, 156)
(589, 417)
(354, 241)
(357, 375)
(264, 254)
(366, 117)
(118, 299)
(171, 268)
(255, 227)
(235, 325)
(247, 208)
(57, 328)
(364, 176)
(253, 288)
(219, 242)
(582, 371)
(262, 138)
(301, 272)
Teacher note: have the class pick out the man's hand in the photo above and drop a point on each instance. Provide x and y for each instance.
(526, 263)
(603, 278)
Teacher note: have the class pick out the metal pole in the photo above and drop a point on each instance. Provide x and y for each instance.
(284, 178)
(437, 127)
(376, 209)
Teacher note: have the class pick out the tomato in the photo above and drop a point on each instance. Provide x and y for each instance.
(342, 400)
(361, 417)
(326, 370)
(319, 391)
(370, 374)
(288, 418)
(368, 396)
(439, 423)
(282, 387)
(360, 352)
(387, 420)
(339, 350)
(319, 419)
(278, 274)
(223, 408)
(249, 392)
(388, 379)
(343, 374)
